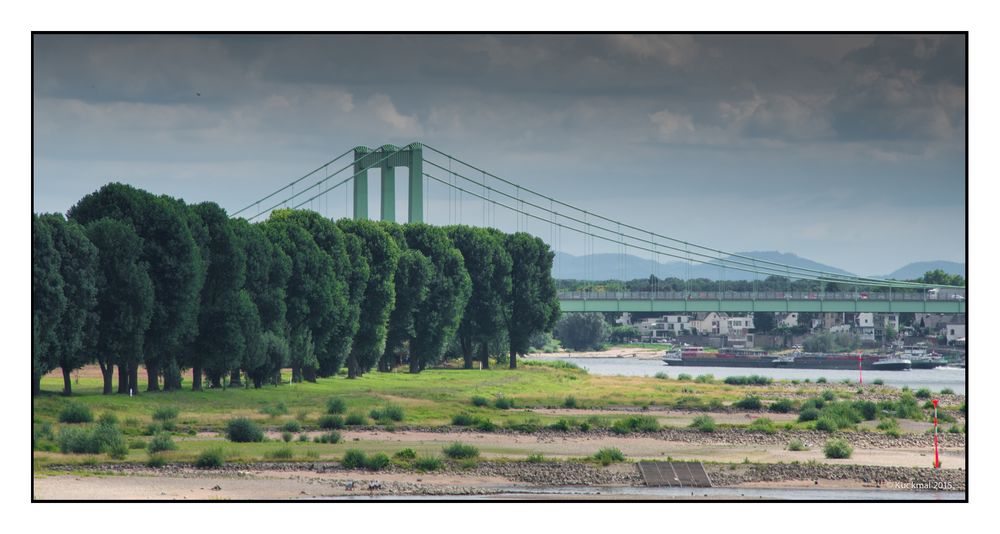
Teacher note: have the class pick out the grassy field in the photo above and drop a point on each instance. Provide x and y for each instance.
(429, 399)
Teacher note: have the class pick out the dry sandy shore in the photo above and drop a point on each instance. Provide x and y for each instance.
(616, 352)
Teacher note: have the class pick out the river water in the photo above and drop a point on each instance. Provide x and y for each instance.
(933, 379)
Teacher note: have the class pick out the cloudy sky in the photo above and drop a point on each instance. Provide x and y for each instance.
(845, 149)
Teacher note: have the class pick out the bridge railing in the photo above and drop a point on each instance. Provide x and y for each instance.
(750, 295)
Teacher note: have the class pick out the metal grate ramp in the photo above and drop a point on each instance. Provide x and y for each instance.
(675, 474)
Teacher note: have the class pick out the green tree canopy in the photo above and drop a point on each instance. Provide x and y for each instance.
(78, 268)
(582, 331)
(174, 264)
(124, 298)
(489, 266)
(437, 318)
(48, 300)
(534, 301)
(381, 254)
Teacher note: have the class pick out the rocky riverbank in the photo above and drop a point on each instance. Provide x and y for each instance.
(885, 477)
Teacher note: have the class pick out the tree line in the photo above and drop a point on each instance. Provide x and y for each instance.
(129, 278)
(771, 283)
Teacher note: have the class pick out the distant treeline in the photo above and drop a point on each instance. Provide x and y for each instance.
(771, 283)
(130, 278)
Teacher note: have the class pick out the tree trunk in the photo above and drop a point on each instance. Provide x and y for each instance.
(216, 380)
(414, 364)
(513, 359)
(152, 377)
(67, 382)
(234, 379)
(466, 352)
(309, 374)
(484, 355)
(196, 377)
(123, 379)
(352, 365)
(133, 377)
(296, 374)
(107, 372)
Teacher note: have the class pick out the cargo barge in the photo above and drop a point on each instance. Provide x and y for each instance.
(742, 357)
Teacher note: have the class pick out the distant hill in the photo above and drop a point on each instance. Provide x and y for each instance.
(917, 269)
(609, 266)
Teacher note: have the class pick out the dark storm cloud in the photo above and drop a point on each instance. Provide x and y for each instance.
(829, 127)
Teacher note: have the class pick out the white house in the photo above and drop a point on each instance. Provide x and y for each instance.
(788, 320)
(954, 332)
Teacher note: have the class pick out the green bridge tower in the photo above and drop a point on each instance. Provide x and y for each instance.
(410, 156)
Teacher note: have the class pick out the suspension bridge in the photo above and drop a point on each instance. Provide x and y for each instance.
(478, 197)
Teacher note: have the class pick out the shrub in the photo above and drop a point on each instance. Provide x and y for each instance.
(867, 409)
(276, 410)
(459, 451)
(797, 445)
(527, 426)
(635, 423)
(161, 442)
(355, 419)
(826, 424)
(427, 463)
(292, 426)
(752, 380)
(844, 414)
(569, 402)
(829, 396)
(108, 418)
(331, 422)
(485, 425)
(808, 414)
(821, 380)
(535, 459)
(284, 453)
(750, 402)
(503, 403)
(152, 429)
(75, 413)
(211, 458)
(335, 405)
(878, 382)
(480, 401)
(954, 429)
(890, 427)
(393, 412)
(947, 391)
(609, 455)
(683, 377)
(464, 419)
(815, 402)
(704, 423)
(328, 437)
(165, 413)
(377, 462)
(103, 438)
(136, 444)
(405, 454)
(303, 437)
(705, 379)
(907, 407)
(353, 459)
(923, 393)
(561, 425)
(837, 448)
(156, 461)
(286, 436)
(782, 406)
(662, 376)
(584, 426)
(763, 424)
(243, 430)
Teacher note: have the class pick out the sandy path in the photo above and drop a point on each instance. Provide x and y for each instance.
(617, 352)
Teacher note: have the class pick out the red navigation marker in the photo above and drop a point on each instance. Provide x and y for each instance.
(937, 462)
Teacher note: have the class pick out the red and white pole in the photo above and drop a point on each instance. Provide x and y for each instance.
(937, 462)
(861, 378)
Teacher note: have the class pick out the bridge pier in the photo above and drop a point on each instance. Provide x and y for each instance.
(386, 158)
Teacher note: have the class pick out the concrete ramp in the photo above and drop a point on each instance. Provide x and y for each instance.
(675, 474)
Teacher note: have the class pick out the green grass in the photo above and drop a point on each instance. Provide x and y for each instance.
(460, 451)
(609, 455)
